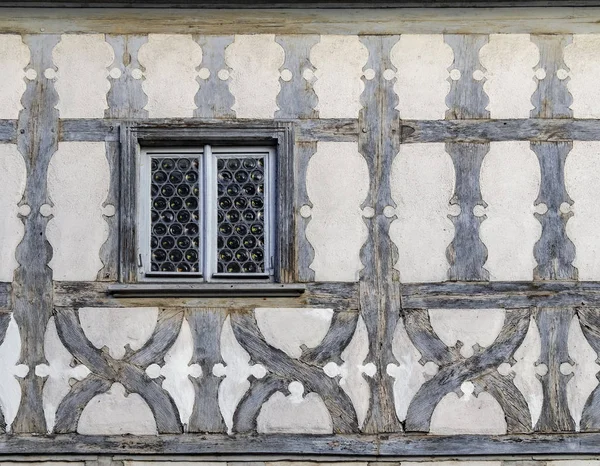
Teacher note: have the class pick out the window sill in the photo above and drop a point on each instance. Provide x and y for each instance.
(206, 290)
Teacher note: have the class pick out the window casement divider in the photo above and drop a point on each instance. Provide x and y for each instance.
(200, 134)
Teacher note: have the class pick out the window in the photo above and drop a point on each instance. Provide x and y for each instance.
(206, 202)
(207, 213)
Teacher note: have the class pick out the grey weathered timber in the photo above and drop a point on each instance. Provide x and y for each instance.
(109, 252)
(454, 369)
(4, 321)
(85, 129)
(126, 98)
(466, 98)
(305, 251)
(379, 142)
(332, 295)
(553, 325)
(129, 371)
(213, 99)
(8, 131)
(466, 253)
(211, 290)
(297, 98)
(558, 129)
(551, 98)
(32, 285)
(554, 252)
(283, 369)
(492, 295)
(589, 319)
(206, 326)
(5, 295)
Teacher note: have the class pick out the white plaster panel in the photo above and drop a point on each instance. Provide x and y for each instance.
(582, 57)
(510, 183)
(118, 329)
(422, 84)
(468, 414)
(290, 329)
(337, 181)
(422, 184)
(352, 371)
(255, 61)
(582, 172)
(236, 370)
(78, 183)
(13, 176)
(10, 389)
(339, 62)
(14, 57)
(526, 372)
(509, 61)
(82, 62)
(584, 380)
(408, 374)
(469, 326)
(295, 413)
(170, 64)
(117, 412)
(59, 372)
(177, 371)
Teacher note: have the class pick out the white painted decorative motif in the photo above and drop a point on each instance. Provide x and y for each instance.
(337, 182)
(58, 373)
(422, 184)
(584, 371)
(118, 329)
(82, 62)
(255, 61)
(339, 63)
(294, 414)
(422, 61)
(117, 413)
(171, 62)
(509, 60)
(353, 371)
(582, 172)
(177, 371)
(78, 183)
(291, 329)
(236, 371)
(468, 414)
(582, 57)
(13, 176)
(10, 388)
(408, 374)
(14, 57)
(510, 183)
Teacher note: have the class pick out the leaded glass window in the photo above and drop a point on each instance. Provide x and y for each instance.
(207, 213)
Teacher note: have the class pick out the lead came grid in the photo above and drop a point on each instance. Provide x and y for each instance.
(241, 214)
(175, 215)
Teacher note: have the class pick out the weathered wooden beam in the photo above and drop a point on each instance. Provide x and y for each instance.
(5, 298)
(8, 131)
(296, 446)
(334, 129)
(458, 295)
(338, 296)
(557, 129)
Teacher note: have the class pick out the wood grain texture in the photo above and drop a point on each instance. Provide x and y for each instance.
(491, 295)
(305, 252)
(379, 142)
(5, 295)
(4, 321)
(109, 252)
(214, 99)
(32, 285)
(8, 131)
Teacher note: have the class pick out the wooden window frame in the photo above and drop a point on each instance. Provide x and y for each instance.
(166, 133)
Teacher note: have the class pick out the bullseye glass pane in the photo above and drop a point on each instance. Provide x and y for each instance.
(241, 214)
(175, 215)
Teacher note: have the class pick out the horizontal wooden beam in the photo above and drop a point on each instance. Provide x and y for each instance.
(332, 295)
(415, 131)
(362, 447)
(480, 295)
(334, 129)
(204, 290)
